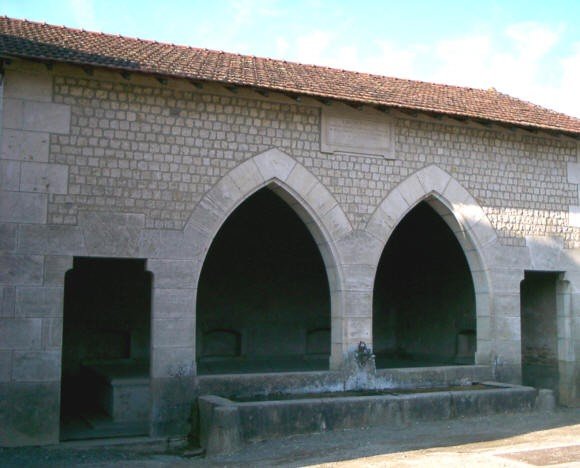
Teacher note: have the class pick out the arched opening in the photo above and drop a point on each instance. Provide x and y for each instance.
(424, 301)
(263, 302)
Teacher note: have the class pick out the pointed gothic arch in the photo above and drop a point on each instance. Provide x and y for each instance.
(465, 218)
(296, 186)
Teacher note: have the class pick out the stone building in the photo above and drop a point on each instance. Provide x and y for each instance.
(169, 215)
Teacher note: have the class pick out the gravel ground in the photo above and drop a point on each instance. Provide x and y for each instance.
(533, 439)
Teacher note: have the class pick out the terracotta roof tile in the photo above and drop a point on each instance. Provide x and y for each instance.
(33, 40)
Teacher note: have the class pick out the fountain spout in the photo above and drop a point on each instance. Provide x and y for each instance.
(363, 354)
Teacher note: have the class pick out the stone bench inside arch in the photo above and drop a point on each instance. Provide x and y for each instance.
(121, 387)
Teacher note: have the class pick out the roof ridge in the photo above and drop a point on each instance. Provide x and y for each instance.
(238, 54)
(35, 40)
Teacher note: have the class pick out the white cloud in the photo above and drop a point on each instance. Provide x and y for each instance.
(568, 97)
(314, 48)
(84, 13)
(520, 61)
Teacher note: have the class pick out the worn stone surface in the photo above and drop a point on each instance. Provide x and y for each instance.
(7, 237)
(21, 145)
(171, 274)
(115, 234)
(20, 333)
(172, 361)
(172, 400)
(36, 366)
(545, 252)
(20, 269)
(51, 239)
(173, 303)
(135, 169)
(44, 178)
(10, 175)
(55, 268)
(39, 302)
(7, 301)
(26, 419)
(29, 86)
(20, 207)
(5, 366)
(179, 332)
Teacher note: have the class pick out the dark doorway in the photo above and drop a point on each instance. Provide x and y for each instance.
(424, 300)
(106, 349)
(263, 298)
(539, 329)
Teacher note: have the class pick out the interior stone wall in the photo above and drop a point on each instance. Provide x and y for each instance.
(423, 293)
(265, 283)
(539, 319)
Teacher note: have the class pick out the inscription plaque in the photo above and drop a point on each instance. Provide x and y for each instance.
(356, 132)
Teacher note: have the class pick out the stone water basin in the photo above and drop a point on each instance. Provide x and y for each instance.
(225, 424)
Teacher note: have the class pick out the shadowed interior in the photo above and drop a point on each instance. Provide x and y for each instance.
(263, 297)
(424, 300)
(539, 329)
(106, 348)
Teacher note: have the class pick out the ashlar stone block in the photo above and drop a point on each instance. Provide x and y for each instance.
(52, 333)
(7, 301)
(115, 234)
(274, 164)
(574, 216)
(173, 274)
(389, 213)
(247, 176)
(10, 175)
(46, 117)
(36, 366)
(173, 362)
(433, 179)
(20, 333)
(24, 146)
(320, 199)
(336, 223)
(7, 237)
(17, 207)
(574, 173)
(36, 116)
(174, 332)
(173, 303)
(358, 329)
(359, 248)
(412, 190)
(5, 366)
(21, 269)
(301, 180)
(545, 252)
(44, 178)
(51, 239)
(34, 87)
(172, 244)
(39, 302)
(224, 196)
(55, 268)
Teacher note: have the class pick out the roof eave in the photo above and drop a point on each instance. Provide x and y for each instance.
(533, 128)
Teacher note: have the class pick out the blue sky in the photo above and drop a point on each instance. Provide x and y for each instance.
(529, 49)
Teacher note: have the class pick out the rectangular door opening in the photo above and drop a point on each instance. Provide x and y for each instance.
(105, 386)
(539, 324)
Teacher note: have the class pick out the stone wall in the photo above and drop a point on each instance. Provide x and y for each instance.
(153, 150)
(95, 165)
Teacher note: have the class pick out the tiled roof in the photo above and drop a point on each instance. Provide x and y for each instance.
(26, 39)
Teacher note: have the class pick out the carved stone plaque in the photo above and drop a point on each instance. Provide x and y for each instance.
(358, 132)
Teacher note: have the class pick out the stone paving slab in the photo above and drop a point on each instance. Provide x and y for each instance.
(508, 440)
